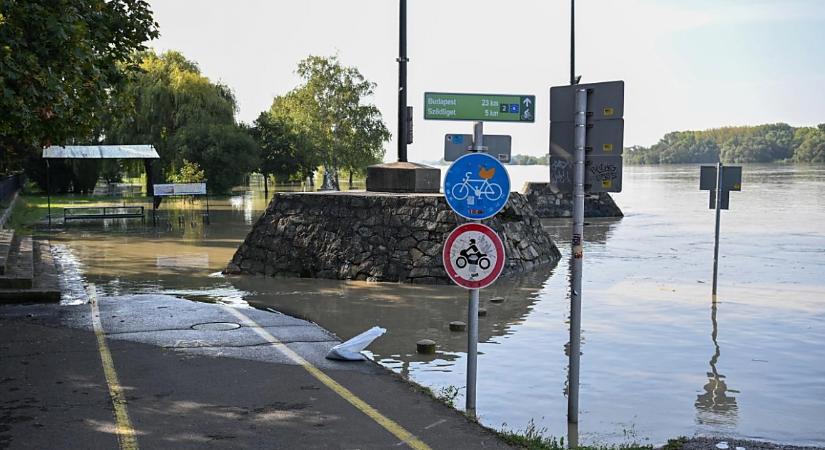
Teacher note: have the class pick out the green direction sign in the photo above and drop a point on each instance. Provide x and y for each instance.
(479, 107)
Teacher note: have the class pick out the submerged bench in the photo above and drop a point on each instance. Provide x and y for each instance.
(103, 212)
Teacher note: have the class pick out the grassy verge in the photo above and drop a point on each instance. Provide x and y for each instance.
(31, 209)
(533, 438)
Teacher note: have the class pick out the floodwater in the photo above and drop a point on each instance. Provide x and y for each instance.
(660, 358)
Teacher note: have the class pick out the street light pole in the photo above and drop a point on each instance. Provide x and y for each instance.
(402, 82)
(573, 42)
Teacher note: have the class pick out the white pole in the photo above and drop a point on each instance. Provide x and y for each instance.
(576, 279)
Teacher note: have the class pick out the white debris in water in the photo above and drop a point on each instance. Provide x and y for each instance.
(722, 445)
(740, 448)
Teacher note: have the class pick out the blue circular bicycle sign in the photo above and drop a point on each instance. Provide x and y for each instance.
(477, 186)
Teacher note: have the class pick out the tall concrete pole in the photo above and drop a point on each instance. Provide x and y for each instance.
(402, 82)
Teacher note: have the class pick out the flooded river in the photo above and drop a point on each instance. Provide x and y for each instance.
(660, 358)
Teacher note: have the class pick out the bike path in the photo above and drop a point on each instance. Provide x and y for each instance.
(192, 379)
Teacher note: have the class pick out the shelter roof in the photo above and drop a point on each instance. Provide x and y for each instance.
(101, 152)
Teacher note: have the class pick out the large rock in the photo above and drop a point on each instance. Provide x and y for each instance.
(377, 236)
(548, 204)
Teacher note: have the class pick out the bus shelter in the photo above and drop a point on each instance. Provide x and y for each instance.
(147, 153)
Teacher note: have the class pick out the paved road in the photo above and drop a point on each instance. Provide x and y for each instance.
(196, 375)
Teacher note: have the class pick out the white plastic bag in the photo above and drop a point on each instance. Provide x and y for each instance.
(351, 349)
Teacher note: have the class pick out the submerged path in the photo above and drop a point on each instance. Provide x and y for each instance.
(154, 371)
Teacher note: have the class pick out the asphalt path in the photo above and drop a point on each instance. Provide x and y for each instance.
(194, 375)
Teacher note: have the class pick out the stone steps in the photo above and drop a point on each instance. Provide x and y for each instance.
(6, 237)
(31, 275)
(20, 264)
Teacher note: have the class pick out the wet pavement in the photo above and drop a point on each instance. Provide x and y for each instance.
(197, 375)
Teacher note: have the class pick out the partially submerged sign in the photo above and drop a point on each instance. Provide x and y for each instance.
(731, 181)
(479, 107)
(473, 256)
(497, 146)
(165, 190)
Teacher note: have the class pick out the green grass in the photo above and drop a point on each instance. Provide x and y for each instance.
(534, 438)
(31, 209)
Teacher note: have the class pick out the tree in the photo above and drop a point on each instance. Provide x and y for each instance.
(59, 62)
(225, 152)
(327, 111)
(170, 105)
(282, 148)
(812, 147)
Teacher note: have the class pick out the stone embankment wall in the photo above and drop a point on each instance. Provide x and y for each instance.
(548, 204)
(377, 236)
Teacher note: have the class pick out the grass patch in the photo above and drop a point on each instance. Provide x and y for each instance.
(675, 444)
(534, 438)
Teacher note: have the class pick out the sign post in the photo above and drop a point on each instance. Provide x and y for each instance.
(719, 180)
(476, 187)
(586, 140)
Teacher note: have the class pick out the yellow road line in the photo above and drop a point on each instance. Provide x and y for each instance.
(125, 432)
(387, 423)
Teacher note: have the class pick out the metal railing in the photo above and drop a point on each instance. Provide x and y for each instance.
(103, 212)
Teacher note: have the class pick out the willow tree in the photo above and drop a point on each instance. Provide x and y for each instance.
(329, 111)
(171, 105)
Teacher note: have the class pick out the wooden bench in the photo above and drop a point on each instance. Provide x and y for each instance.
(103, 212)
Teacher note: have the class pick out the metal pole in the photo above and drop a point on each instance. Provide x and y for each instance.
(402, 82)
(572, 41)
(49, 190)
(578, 256)
(719, 169)
(472, 310)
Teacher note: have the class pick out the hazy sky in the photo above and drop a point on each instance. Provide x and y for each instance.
(687, 64)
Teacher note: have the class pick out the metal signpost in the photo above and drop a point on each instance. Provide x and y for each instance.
(458, 145)
(476, 187)
(479, 107)
(586, 139)
(719, 180)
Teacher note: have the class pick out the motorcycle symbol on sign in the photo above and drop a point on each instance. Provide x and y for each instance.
(475, 258)
(479, 187)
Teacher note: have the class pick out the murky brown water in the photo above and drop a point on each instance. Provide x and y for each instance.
(659, 358)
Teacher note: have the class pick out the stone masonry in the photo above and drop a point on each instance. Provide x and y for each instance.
(377, 236)
(548, 204)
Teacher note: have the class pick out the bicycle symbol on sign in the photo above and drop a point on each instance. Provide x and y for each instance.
(479, 187)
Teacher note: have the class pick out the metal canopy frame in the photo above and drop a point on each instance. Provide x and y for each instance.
(145, 152)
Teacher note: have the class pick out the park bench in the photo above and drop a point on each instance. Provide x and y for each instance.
(102, 212)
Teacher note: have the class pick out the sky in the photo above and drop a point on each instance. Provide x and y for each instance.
(687, 64)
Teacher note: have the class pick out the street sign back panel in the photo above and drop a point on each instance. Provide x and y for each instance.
(458, 145)
(604, 137)
(479, 107)
(601, 173)
(731, 178)
(477, 186)
(473, 256)
(605, 101)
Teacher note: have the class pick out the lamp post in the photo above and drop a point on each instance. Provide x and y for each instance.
(402, 82)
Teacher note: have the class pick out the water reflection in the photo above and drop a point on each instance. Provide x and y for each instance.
(714, 406)
(408, 312)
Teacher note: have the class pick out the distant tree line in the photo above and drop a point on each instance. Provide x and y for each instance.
(763, 143)
(79, 73)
